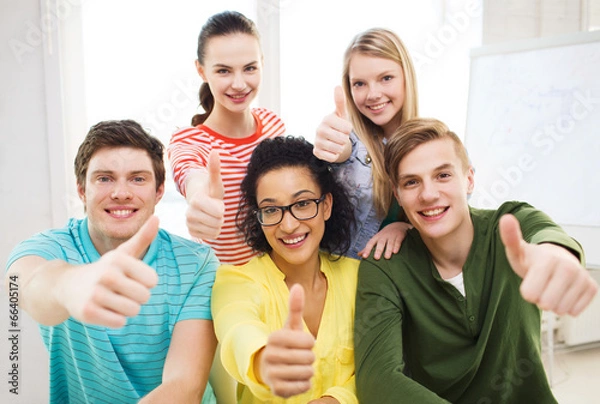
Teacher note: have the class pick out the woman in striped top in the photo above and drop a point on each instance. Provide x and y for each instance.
(209, 159)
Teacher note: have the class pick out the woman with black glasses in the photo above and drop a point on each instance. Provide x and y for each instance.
(285, 319)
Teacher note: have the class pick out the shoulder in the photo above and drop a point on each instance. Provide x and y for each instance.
(343, 271)
(196, 133)
(59, 243)
(346, 264)
(528, 216)
(270, 121)
(412, 256)
(186, 250)
(254, 270)
(263, 113)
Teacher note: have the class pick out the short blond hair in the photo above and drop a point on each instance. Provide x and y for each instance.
(414, 133)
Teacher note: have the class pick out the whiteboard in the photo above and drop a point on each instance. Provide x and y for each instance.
(533, 129)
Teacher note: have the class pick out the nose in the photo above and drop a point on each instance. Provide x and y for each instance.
(121, 191)
(289, 222)
(429, 192)
(374, 93)
(238, 82)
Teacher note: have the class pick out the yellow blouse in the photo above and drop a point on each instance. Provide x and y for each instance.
(251, 301)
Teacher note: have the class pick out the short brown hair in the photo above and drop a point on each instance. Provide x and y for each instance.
(123, 133)
(414, 133)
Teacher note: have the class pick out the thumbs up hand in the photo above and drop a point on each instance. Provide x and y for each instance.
(285, 363)
(113, 288)
(552, 276)
(205, 192)
(332, 141)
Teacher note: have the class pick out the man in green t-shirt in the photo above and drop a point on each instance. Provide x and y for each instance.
(455, 315)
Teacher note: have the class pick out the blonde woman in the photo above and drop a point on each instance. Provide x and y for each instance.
(379, 94)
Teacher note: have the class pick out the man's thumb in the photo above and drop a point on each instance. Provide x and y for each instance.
(137, 245)
(296, 303)
(215, 182)
(512, 238)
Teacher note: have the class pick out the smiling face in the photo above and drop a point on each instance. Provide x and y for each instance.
(120, 194)
(232, 68)
(378, 90)
(433, 184)
(295, 243)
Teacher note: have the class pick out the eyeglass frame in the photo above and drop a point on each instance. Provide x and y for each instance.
(288, 208)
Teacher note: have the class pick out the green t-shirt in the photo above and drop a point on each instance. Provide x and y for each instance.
(482, 348)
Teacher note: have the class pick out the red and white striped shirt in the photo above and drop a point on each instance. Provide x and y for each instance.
(189, 149)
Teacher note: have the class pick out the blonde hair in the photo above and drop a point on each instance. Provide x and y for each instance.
(414, 133)
(381, 43)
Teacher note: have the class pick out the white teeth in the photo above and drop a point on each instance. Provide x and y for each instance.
(434, 212)
(294, 240)
(238, 96)
(378, 106)
(121, 213)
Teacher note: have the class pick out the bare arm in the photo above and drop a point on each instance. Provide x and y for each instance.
(188, 364)
(104, 293)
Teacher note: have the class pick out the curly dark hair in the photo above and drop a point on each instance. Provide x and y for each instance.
(292, 151)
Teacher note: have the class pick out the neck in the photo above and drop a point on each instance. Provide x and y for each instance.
(231, 124)
(449, 253)
(308, 274)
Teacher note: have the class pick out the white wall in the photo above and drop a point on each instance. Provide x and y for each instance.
(25, 194)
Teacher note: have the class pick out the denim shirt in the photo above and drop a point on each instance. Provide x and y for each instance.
(355, 174)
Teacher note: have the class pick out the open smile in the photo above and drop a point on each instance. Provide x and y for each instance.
(295, 240)
(432, 213)
(378, 107)
(121, 213)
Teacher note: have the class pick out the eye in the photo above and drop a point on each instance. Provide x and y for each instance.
(270, 210)
(251, 68)
(409, 183)
(444, 176)
(139, 179)
(104, 178)
(358, 84)
(303, 204)
(222, 71)
(387, 78)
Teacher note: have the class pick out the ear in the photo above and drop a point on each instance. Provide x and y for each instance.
(396, 193)
(81, 192)
(200, 70)
(160, 193)
(470, 180)
(327, 206)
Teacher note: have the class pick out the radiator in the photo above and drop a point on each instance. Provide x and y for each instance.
(584, 328)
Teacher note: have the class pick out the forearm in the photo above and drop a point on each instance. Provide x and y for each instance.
(175, 391)
(343, 394)
(392, 387)
(196, 180)
(39, 281)
(187, 365)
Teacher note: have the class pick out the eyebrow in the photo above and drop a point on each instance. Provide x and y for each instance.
(295, 195)
(389, 72)
(135, 172)
(254, 62)
(441, 167)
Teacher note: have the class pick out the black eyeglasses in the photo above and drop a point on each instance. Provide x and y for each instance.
(302, 210)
